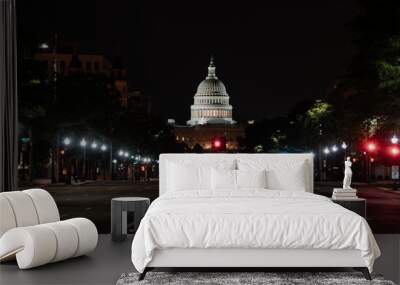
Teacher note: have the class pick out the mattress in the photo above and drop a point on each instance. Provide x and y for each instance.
(250, 219)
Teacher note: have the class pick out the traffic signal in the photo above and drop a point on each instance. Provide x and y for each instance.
(394, 151)
(218, 144)
(371, 146)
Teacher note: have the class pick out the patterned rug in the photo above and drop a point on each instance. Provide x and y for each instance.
(244, 278)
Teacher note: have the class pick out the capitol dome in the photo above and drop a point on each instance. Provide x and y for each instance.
(211, 101)
(211, 87)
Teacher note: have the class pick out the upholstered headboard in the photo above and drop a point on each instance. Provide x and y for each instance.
(308, 158)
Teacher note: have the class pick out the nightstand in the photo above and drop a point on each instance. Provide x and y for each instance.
(358, 205)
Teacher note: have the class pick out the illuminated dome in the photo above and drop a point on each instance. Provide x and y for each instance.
(211, 101)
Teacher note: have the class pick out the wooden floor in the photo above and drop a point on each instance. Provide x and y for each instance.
(106, 264)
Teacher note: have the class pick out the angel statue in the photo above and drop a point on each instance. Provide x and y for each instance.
(348, 173)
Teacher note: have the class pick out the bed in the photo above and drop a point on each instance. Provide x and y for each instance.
(252, 211)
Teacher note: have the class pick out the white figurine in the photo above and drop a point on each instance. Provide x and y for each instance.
(347, 174)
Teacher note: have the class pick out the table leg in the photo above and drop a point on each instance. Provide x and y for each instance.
(116, 222)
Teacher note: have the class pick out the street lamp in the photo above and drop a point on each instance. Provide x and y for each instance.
(344, 145)
(334, 148)
(126, 154)
(394, 139)
(114, 161)
(121, 153)
(146, 160)
(67, 141)
(94, 145)
(83, 144)
(326, 150)
(371, 148)
(395, 152)
(144, 168)
(103, 147)
(43, 46)
(64, 166)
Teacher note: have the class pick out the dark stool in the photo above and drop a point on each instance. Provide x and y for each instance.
(119, 215)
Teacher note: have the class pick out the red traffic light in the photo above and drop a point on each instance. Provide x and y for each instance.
(394, 151)
(218, 144)
(371, 146)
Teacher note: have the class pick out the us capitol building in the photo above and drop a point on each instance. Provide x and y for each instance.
(211, 116)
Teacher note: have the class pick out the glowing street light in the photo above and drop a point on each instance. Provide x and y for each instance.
(334, 148)
(394, 139)
(67, 141)
(43, 46)
(121, 153)
(126, 154)
(114, 161)
(326, 150)
(103, 147)
(83, 143)
(94, 145)
(344, 145)
(146, 160)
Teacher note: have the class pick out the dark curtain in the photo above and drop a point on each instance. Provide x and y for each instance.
(8, 97)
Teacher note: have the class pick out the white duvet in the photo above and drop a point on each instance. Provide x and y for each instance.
(250, 219)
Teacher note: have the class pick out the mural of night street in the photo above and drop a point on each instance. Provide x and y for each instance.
(133, 130)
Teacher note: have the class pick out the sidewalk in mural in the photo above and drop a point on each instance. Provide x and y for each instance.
(92, 200)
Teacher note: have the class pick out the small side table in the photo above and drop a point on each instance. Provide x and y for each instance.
(358, 205)
(119, 214)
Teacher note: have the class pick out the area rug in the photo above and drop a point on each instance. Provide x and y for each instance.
(244, 278)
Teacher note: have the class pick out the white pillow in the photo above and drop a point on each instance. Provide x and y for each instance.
(230, 180)
(184, 178)
(223, 179)
(292, 179)
(288, 175)
(251, 178)
(193, 174)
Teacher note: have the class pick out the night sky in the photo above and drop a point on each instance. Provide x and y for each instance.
(270, 56)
